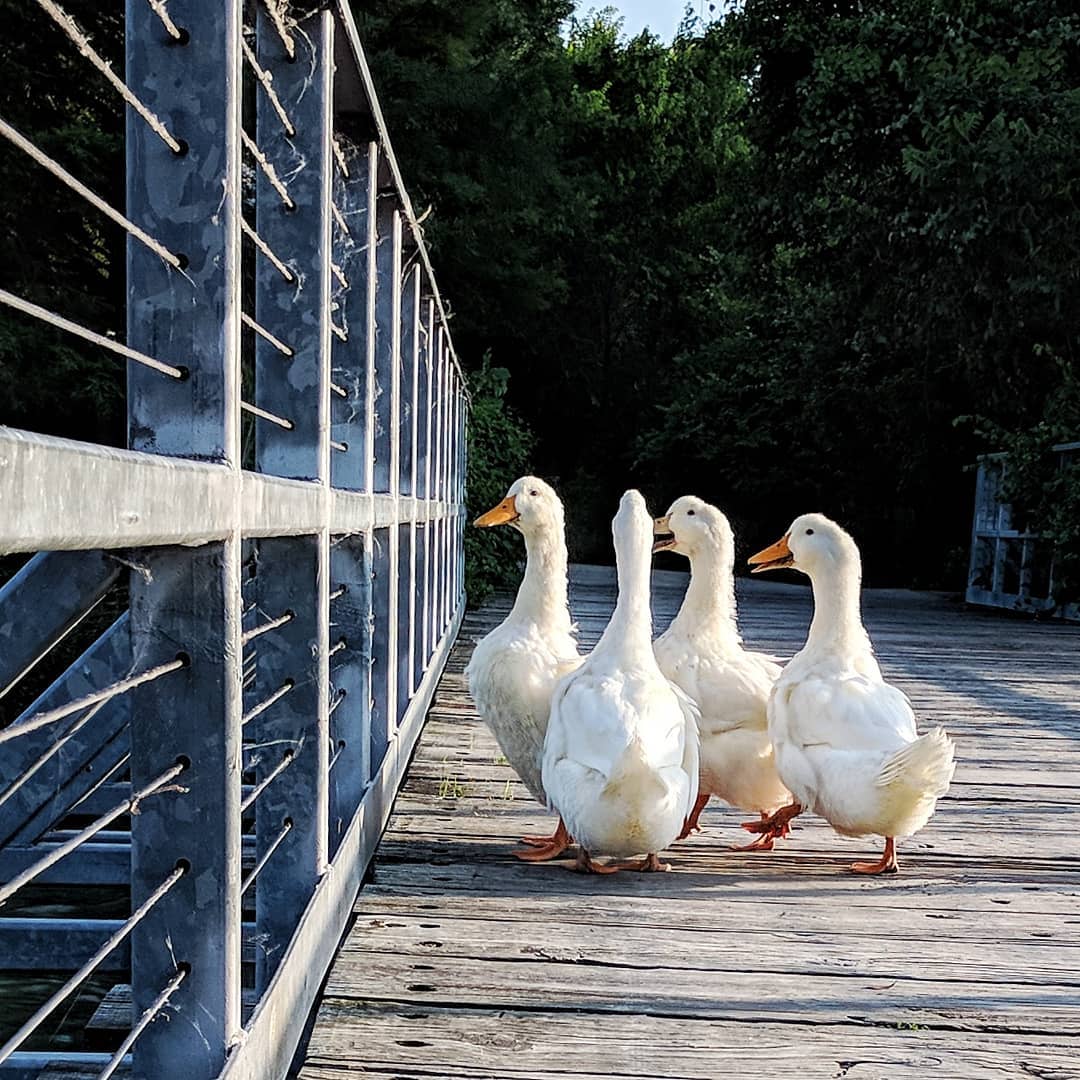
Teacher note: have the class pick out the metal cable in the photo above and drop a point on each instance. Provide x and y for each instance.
(270, 777)
(338, 331)
(265, 857)
(265, 248)
(267, 81)
(339, 156)
(160, 9)
(265, 334)
(272, 417)
(268, 170)
(340, 275)
(115, 939)
(41, 720)
(148, 1015)
(277, 695)
(82, 43)
(53, 166)
(273, 624)
(45, 315)
(128, 806)
(276, 17)
(340, 391)
(339, 217)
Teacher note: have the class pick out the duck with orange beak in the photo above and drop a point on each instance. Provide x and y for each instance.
(845, 741)
(514, 669)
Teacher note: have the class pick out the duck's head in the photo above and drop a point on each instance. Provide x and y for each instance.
(813, 543)
(531, 506)
(633, 521)
(691, 526)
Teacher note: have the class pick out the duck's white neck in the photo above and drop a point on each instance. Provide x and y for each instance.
(542, 595)
(630, 628)
(837, 624)
(708, 608)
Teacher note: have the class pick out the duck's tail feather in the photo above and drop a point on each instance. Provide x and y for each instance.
(925, 765)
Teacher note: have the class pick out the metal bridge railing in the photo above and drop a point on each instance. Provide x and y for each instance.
(289, 516)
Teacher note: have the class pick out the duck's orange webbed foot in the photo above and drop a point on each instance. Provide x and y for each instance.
(887, 864)
(584, 864)
(651, 864)
(774, 826)
(691, 825)
(543, 848)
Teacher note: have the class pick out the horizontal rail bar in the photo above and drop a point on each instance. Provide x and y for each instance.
(161, 10)
(31, 1064)
(122, 498)
(265, 704)
(279, 1018)
(45, 315)
(249, 800)
(267, 250)
(265, 857)
(122, 686)
(95, 200)
(128, 806)
(266, 627)
(141, 1024)
(268, 169)
(267, 83)
(265, 334)
(31, 1025)
(82, 43)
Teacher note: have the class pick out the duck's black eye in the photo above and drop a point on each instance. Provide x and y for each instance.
(690, 513)
(534, 492)
(809, 532)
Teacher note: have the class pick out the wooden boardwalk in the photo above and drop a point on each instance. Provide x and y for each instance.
(465, 963)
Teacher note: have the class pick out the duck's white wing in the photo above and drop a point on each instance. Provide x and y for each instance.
(691, 743)
(847, 712)
(587, 723)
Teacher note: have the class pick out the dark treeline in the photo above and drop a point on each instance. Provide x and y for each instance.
(815, 255)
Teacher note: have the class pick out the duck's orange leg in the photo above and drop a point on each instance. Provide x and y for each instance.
(691, 824)
(774, 826)
(543, 848)
(585, 864)
(887, 864)
(650, 864)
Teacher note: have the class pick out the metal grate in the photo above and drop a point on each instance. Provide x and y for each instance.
(229, 747)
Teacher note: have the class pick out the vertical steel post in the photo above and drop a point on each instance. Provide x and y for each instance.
(294, 572)
(187, 600)
(422, 636)
(407, 387)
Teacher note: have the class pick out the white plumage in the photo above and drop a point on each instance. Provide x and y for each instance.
(621, 753)
(702, 653)
(845, 740)
(514, 669)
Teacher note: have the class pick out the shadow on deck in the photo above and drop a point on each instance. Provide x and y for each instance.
(463, 962)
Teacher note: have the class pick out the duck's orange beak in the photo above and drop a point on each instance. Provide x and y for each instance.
(503, 514)
(664, 538)
(775, 557)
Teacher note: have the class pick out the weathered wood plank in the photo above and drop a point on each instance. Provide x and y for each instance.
(530, 1045)
(465, 962)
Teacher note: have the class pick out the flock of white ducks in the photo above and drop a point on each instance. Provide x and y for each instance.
(629, 743)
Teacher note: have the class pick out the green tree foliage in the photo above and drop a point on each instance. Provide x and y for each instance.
(499, 449)
(54, 249)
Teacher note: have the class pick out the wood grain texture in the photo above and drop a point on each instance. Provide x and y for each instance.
(464, 962)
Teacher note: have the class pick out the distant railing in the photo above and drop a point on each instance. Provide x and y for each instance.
(289, 515)
(1011, 567)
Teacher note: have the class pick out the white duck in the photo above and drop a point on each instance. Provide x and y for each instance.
(845, 740)
(621, 754)
(514, 669)
(702, 653)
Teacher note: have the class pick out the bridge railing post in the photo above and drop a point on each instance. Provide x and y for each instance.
(289, 744)
(186, 601)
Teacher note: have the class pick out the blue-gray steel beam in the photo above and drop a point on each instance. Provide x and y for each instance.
(408, 378)
(189, 602)
(355, 194)
(382, 675)
(32, 1064)
(350, 675)
(58, 944)
(34, 767)
(96, 863)
(295, 573)
(406, 535)
(44, 601)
